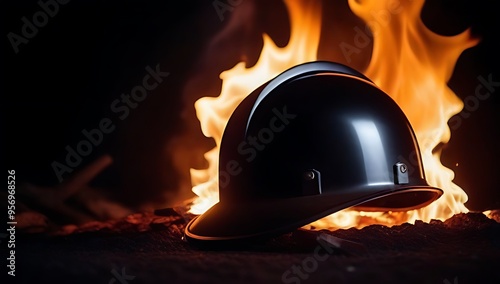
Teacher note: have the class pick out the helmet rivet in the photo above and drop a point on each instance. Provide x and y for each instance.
(403, 168)
(309, 175)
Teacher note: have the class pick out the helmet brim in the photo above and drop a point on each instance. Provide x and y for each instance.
(254, 220)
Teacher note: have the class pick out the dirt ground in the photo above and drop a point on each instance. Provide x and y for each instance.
(150, 249)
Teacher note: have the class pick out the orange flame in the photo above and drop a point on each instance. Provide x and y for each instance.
(409, 62)
(238, 82)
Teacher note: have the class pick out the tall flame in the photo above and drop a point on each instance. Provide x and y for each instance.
(409, 62)
(413, 65)
(239, 81)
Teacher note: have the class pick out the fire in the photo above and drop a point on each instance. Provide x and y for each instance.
(409, 62)
(238, 82)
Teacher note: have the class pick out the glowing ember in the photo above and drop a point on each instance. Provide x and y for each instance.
(409, 62)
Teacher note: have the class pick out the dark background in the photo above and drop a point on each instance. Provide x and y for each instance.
(65, 78)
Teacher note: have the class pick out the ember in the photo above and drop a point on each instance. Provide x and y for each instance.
(465, 246)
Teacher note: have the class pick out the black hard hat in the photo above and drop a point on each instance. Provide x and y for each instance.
(318, 138)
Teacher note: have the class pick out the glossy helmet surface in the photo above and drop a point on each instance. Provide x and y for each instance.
(318, 138)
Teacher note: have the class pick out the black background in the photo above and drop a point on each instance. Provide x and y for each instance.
(65, 78)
